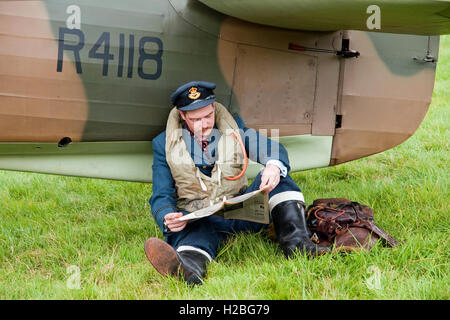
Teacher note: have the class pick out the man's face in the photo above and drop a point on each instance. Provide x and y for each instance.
(200, 121)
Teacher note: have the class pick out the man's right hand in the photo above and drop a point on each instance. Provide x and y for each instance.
(172, 222)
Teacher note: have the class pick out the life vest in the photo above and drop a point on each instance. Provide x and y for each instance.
(195, 190)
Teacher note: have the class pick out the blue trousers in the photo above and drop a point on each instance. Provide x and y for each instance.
(207, 233)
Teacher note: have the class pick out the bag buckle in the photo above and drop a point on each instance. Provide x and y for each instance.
(314, 238)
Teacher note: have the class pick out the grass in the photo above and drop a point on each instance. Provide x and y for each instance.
(50, 223)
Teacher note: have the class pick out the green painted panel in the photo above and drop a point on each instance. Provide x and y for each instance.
(129, 161)
(132, 161)
(398, 51)
(397, 16)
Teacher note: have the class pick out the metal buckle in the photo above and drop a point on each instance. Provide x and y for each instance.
(314, 238)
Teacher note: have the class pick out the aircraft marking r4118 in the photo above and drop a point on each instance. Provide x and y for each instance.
(76, 43)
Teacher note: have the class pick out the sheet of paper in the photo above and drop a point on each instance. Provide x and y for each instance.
(254, 207)
(205, 212)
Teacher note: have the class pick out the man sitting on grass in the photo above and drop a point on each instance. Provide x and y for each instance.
(190, 173)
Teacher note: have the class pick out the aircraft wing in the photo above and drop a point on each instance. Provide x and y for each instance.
(99, 74)
(424, 17)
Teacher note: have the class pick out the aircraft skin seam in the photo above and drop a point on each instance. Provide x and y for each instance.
(190, 23)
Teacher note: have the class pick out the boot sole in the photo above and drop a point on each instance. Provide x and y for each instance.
(162, 256)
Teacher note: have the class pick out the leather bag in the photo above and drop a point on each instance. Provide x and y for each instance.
(346, 225)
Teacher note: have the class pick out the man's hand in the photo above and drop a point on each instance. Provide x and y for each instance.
(172, 222)
(270, 178)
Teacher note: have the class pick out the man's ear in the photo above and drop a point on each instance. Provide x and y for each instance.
(182, 115)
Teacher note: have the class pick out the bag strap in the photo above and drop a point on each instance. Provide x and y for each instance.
(383, 234)
(341, 212)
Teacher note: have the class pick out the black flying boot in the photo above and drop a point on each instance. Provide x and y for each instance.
(189, 263)
(291, 230)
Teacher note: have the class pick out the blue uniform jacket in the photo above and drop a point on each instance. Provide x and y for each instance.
(163, 199)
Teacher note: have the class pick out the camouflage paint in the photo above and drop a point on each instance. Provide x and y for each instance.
(386, 46)
(382, 101)
(36, 102)
(195, 42)
(124, 106)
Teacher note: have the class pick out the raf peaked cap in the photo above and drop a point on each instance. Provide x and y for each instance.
(193, 95)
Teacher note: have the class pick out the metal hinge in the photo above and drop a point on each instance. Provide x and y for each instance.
(345, 50)
(338, 122)
(428, 57)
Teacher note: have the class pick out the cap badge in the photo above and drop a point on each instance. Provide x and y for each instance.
(193, 93)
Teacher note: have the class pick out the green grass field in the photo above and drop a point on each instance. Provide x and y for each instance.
(51, 227)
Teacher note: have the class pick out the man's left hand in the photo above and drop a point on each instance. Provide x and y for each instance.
(270, 178)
